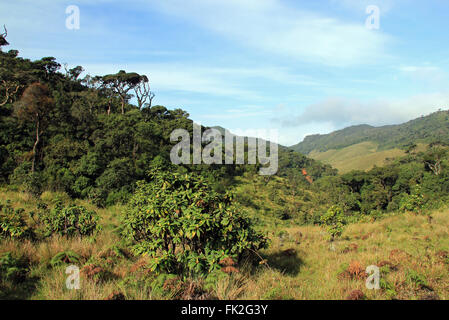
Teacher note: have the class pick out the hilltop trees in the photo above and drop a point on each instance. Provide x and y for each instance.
(143, 93)
(121, 83)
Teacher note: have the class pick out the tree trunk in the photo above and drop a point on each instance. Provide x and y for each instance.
(35, 146)
(123, 105)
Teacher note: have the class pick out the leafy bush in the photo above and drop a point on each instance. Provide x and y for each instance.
(64, 257)
(12, 222)
(414, 202)
(70, 221)
(185, 226)
(334, 220)
(12, 268)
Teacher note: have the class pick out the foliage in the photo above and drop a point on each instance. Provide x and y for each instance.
(334, 220)
(185, 226)
(65, 257)
(414, 202)
(70, 221)
(424, 129)
(12, 222)
(12, 268)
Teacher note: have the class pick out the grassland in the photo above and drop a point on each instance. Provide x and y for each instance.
(300, 264)
(362, 156)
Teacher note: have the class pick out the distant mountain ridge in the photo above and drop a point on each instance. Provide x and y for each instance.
(426, 129)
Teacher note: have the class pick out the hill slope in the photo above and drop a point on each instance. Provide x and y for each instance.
(425, 129)
(362, 147)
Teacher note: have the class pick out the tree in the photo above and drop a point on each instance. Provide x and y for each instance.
(11, 88)
(334, 220)
(35, 105)
(143, 93)
(3, 41)
(121, 83)
(48, 67)
(434, 156)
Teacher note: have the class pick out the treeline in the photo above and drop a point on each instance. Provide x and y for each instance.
(417, 182)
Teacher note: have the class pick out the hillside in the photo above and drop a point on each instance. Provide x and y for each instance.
(425, 130)
(362, 147)
(89, 140)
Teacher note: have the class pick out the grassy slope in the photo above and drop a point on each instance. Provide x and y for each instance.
(362, 156)
(425, 129)
(407, 241)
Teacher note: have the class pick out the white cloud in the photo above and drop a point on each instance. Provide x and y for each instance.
(341, 112)
(273, 27)
(428, 74)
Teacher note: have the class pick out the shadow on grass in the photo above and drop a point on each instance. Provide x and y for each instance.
(285, 262)
(18, 291)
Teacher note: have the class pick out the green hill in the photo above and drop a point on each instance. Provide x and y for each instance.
(425, 130)
(363, 147)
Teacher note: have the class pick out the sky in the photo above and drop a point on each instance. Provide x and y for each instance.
(298, 67)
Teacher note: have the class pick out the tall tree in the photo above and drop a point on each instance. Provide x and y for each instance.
(35, 105)
(143, 92)
(121, 83)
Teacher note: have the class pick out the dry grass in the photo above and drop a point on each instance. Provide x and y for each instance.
(362, 156)
(409, 245)
(412, 255)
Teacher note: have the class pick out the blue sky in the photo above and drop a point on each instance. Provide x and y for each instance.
(301, 67)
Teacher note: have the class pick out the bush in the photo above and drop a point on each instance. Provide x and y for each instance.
(415, 202)
(11, 268)
(12, 222)
(185, 226)
(70, 221)
(334, 220)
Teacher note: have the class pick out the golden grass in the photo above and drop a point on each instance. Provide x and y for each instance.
(313, 273)
(362, 156)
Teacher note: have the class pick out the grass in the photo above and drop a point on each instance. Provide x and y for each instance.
(300, 264)
(407, 242)
(362, 156)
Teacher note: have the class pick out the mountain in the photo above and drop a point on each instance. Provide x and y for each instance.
(292, 163)
(363, 146)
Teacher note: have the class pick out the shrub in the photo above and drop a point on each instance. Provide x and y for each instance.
(70, 221)
(414, 202)
(334, 220)
(11, 268)
(12, 222)
(185, 226)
